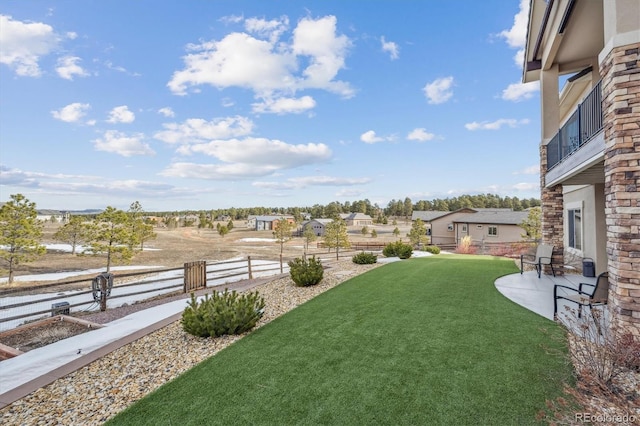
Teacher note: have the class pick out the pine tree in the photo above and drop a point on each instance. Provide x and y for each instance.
(111, 234)
(74, 232)
(418, 232)
(282, 232)
(309, 236)
(335, 235)
(20, 233)
(532, 225)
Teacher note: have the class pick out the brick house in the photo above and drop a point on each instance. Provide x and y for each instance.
(590, 137)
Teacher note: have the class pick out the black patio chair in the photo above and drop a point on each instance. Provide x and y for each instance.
(599, 295)
(543, 256)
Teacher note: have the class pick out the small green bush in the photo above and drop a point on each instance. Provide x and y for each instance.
(364, 258)
(398, 249)
(305, 272)
(432, 249)
(222, 313)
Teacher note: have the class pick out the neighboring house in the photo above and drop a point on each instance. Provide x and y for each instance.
(440, 224)
(490, 226)
(357, 219)
(318, 226)
(447, 228)
(267, 223)
(590, 138)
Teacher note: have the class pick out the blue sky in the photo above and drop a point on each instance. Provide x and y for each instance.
(217, 104)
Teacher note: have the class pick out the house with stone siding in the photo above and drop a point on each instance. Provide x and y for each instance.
(585, 55)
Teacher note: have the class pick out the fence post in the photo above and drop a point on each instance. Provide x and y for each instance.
(103, 293)
(249, 267)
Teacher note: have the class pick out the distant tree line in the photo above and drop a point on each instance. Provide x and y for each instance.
(395, 208)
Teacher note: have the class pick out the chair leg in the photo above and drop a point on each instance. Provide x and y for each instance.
(539, 269)
(579, 311)
(553, 271)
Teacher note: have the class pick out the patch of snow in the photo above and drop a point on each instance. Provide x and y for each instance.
(257, 240)
(68, 274)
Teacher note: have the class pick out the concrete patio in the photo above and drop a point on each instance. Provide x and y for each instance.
(536, 294)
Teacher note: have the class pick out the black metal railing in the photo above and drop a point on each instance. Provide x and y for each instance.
(584, 124)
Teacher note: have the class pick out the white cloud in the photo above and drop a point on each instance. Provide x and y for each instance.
(391, 47)
(231, 19)
(306, 181)
(247, 158)
(285, 105)
(73, 185)
(516, 36)
(349, 193)
(370, 137)
(495, 125)
(267, 66)
(71, 113)
(68, 67)
(420, 135)
(520, 91)
(526, 186)
(271, 30)
(531, 170)
(198, 130)
(318, 40)
(215, 171)
(439, 91)
(123, 144)
(167, 112)
(22, 44)
(121, 114)
(262, 151)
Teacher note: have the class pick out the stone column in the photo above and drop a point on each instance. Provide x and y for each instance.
(621, 108)
(552, 201)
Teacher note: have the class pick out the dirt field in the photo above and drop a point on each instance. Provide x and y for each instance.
(172, 248)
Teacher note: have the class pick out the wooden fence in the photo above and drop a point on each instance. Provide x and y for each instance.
(195, 276)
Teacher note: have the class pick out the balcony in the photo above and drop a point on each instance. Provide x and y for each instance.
(575, 154)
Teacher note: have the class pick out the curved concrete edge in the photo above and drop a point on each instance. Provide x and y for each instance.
(12, 395)
(25, 389)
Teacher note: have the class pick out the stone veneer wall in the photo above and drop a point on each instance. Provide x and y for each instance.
(552, 216)
(621, 108)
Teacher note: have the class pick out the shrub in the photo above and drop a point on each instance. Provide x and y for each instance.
(222, 313)
(399, 249)
(306, 272)
(364, 258)
(432, 249)
(465, 246)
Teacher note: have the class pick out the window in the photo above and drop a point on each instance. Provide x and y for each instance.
(464, 228)
(574, 230)
(492, 231)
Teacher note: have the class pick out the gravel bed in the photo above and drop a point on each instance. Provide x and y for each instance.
(97, 392)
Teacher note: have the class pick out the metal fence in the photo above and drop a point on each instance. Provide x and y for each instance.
(583, 125)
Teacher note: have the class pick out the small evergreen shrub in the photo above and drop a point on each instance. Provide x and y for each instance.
(364, 258)
(305, 272)
(398, 249)
(432, 249)
(222, 313)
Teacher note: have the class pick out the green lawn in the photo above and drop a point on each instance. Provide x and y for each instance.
(422, 341)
